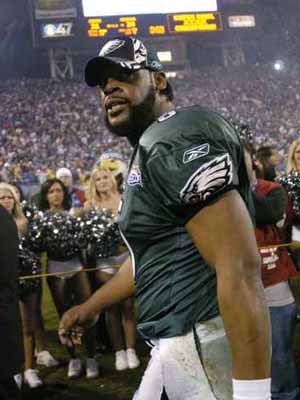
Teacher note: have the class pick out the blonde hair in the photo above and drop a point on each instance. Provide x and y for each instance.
(291, 164)
(92, 195)
(17, 211)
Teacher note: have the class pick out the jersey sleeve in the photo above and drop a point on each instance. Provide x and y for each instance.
(188, 177)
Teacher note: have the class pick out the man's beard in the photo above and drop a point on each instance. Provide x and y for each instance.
(140, 117)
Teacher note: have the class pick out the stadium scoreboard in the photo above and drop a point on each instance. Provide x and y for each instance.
(155, 25)
(77, 23)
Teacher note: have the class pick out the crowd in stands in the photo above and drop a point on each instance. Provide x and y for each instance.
(45, 124)
(265, 99)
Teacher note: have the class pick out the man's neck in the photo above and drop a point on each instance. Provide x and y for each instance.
(160, 107)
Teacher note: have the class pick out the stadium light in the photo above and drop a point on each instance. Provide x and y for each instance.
(164, 56)
(279, 65)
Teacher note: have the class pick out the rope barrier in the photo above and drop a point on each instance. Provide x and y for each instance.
(46, 275)
(271, 246)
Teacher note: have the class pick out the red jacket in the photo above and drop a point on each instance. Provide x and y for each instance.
(277, 265)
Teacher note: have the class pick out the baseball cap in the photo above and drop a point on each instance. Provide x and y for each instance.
(127, 52)
(63, 172)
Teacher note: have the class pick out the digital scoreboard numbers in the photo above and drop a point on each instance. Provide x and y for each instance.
(98, 27)
(154, 25)
(189, 23)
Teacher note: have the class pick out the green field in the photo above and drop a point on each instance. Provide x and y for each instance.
(110, 385)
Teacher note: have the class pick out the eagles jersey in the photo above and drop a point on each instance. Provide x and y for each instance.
(183, 162)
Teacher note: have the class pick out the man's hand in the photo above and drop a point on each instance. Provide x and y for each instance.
(77, 319)
(73, 323)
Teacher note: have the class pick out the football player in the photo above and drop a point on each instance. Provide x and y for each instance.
(185, 218)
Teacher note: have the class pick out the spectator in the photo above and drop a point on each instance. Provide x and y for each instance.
(77, 195)
(277, 267)
(293, 163)
(269, 159)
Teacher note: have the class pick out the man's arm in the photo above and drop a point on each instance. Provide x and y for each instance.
(224, 235)
(119, 288)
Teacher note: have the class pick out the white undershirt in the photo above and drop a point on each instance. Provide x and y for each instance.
(279, 295)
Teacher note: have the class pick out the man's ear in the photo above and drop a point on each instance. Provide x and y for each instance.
(160, 81)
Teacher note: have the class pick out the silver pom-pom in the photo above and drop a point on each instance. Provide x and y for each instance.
(30, 210)
(291, 183)
(56, 233)
(99, 235)
(29, 265)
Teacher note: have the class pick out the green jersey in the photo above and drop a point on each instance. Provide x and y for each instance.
(183, 162)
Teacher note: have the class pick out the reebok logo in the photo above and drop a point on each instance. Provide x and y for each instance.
(196, 152)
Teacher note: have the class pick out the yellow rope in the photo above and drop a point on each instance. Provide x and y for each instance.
(45, 275)
(271, 246)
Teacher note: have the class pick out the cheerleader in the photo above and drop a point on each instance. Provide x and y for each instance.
(43, 356)
(293, 163)
(54, 198)
(102, 193)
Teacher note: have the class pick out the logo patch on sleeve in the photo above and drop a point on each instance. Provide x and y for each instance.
(135, 176)
(208, 180)
(196, 152)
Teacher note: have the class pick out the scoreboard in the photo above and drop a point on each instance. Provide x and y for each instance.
(79, 23)
(154, 25)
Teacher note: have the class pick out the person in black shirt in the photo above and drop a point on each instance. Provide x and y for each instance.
(11, 342)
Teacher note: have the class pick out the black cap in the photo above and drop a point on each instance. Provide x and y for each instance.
(128, 52)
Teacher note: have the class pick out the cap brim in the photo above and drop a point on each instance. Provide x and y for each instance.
(98, 67)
